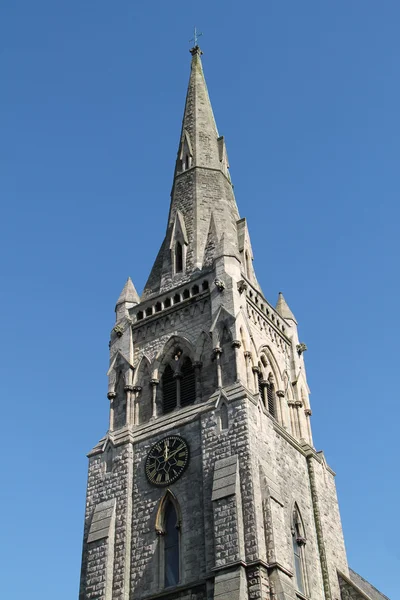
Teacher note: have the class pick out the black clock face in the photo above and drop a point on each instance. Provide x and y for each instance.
(167, 460)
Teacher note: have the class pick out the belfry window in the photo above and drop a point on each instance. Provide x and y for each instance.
(178, 386)
(168, 390)
(271, 398)
(178, 258)
(188, 383)
(299, 542)
(171, 546)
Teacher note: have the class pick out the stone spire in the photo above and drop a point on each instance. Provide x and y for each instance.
(127, 298)
(283, 309)
(201, 188)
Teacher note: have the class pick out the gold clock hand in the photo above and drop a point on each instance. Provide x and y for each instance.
(175, 451)
(166, 455)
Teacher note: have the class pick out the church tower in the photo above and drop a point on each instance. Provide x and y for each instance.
(207, 484)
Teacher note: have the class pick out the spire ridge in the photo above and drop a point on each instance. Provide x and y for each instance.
(128, 294)
(283, 309)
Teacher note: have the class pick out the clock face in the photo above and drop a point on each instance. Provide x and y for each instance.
(167, 460)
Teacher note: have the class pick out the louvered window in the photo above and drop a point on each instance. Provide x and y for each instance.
(188, 383)
(168, 390)
(260, 385)
(271, 398)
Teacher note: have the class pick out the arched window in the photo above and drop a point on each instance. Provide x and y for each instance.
(178, 388)
(171, 546)
(178, 258)
(188, 383)
(299, 542)
(168, 390)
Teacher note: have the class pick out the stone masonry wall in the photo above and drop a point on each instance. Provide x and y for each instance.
(146, 577)
(104, 486)
(288, 482)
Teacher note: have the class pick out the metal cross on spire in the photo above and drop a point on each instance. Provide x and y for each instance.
(195, 38)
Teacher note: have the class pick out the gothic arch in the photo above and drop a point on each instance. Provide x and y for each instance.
(138, 375)
(203, 347)
(143, 404)
(165, 354)
(159, 522)
(270, 365)
(299, 540)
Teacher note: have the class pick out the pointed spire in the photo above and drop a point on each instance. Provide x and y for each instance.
(201, 186)
(199, 131)
(128, 294)
(283, 309)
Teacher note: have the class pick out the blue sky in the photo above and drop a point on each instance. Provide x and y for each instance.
(307, 96)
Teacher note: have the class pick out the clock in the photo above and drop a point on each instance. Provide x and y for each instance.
(167, 460)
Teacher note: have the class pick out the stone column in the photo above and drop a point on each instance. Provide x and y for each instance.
(197, 369)
(128, 390)
(217, 353)
(154, 383)
(247, 357)
(178, 377)
(308, 413)
(256, 371)
(280, 394)
(298, 405)
(236, 345)
(137, 389)
(293, 427)
(111, 396)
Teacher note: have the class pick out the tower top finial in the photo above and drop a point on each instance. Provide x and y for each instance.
(196, 48)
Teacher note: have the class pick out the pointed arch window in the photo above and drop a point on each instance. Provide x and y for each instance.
(178, 258)
(171, 546)
(179, 386)
(299, 541)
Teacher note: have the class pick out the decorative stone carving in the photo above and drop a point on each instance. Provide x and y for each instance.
(301, 348)
(137, 388)
(154, 381)
(280, 393)
(236, 344)
(119, 330)
(219, 284)
(111, 395)
(255, 369)
(247, 354)
(129, 388)
(301, 541)
(217, 351)
(308, 412)
(242, 286)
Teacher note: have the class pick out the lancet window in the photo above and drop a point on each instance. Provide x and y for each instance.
(178, 383)
(171, 546)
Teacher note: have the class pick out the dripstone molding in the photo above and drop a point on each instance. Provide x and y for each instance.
(206, 484)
